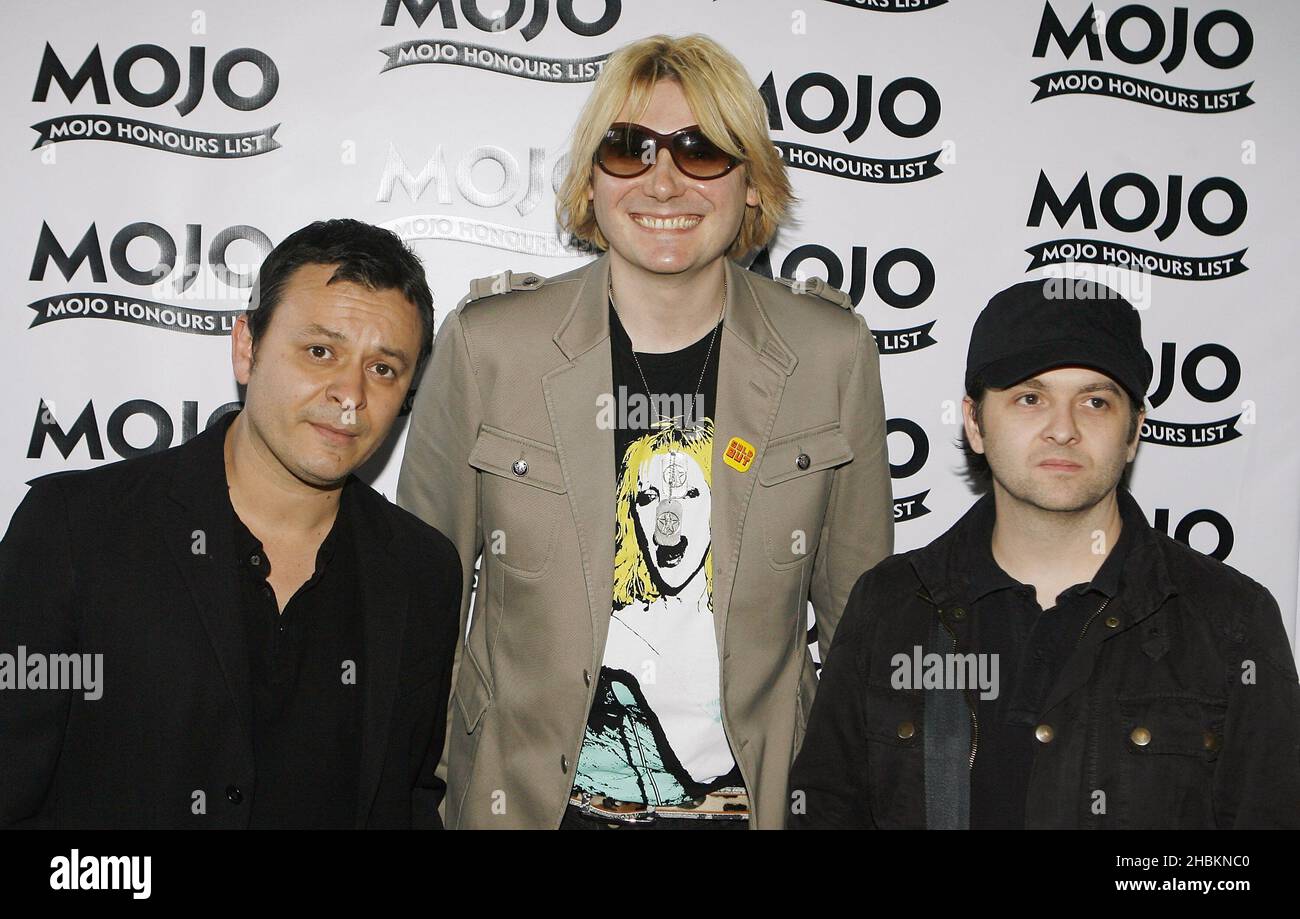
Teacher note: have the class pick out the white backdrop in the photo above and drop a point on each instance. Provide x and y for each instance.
(953, 141)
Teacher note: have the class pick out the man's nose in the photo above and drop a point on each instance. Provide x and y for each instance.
(347, 390)
(1062, 427)
(664, 180)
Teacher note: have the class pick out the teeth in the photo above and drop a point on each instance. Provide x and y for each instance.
(670, 223)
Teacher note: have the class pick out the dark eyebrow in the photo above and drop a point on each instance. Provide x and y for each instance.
(1099, 386)
(395, 353)
(317, 330)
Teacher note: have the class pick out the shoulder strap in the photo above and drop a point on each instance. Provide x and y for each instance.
(503, 282)
(818, 288)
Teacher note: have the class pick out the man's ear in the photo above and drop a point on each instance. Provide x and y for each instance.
(1137, 434)
(241, 350)
(973, 434)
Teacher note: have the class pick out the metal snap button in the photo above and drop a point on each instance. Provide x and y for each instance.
(520, 467)
(803, 461)
(906, 730)
(1044, 733)
(1140, 736)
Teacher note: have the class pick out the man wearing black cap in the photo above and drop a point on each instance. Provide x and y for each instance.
(1052, 661)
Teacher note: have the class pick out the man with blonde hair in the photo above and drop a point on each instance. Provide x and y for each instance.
(730, 427)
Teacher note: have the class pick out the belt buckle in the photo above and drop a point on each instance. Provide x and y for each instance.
(585, 804)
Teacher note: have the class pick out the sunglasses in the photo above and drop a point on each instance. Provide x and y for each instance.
(629, 150)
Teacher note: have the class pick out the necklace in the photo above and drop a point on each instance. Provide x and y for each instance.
(668, 512)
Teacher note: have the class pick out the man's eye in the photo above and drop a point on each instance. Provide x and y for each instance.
(645, 497)
(319, 351)
(693, 493)
(385, 371)
(1102, 403)
(1032, 396)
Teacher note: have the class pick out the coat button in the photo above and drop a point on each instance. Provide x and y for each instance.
(1044, 733)
(255, 560)
(1140, 736)
(564, 764)
(233, 794)
(906, 730)
(803, 461)
(1211, 741)
(958, 613)
(586, 677)
(520, 467)
(1112, 622)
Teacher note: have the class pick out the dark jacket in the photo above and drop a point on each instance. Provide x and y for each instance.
(134, 561)
(1179, 707)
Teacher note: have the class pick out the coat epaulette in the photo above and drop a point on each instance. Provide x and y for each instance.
(820, 288)
(503, 282)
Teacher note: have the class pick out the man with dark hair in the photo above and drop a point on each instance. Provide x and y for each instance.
(276, 639)
(1052, 660)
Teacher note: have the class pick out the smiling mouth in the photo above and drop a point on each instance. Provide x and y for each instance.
(686, 222)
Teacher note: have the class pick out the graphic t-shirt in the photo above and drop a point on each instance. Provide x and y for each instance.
(655, 731)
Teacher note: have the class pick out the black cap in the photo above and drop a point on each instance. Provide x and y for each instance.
(1034, 326)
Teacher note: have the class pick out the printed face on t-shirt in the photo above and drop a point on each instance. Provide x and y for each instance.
(673, 566)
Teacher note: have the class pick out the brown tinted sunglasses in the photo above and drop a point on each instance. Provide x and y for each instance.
(629, 150)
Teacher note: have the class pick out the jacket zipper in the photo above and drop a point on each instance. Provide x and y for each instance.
(1090, 621)
(975, 724)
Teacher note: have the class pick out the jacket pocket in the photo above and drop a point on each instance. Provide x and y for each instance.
(473, 692)
(523, 498)
(795, 479)
(895, 764)
(1168, 745)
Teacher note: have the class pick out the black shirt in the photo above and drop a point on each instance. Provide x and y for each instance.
(653, 734)
(1033, 646)
(674, 375)
(304, 683)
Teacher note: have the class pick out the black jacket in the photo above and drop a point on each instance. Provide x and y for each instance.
(134, 561)
(1179, 708)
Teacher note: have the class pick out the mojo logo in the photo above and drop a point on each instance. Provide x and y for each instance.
(158, 426)
(1199, 434)
(1216, 190)
(537, 182)
(1143, 41)
(854, 115)
(1224, 537)
(465, 54)
(126, 80)
(912, 506)
(167, 276)
(883, 280)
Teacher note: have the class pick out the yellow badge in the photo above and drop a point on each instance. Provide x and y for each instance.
(739, 455)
